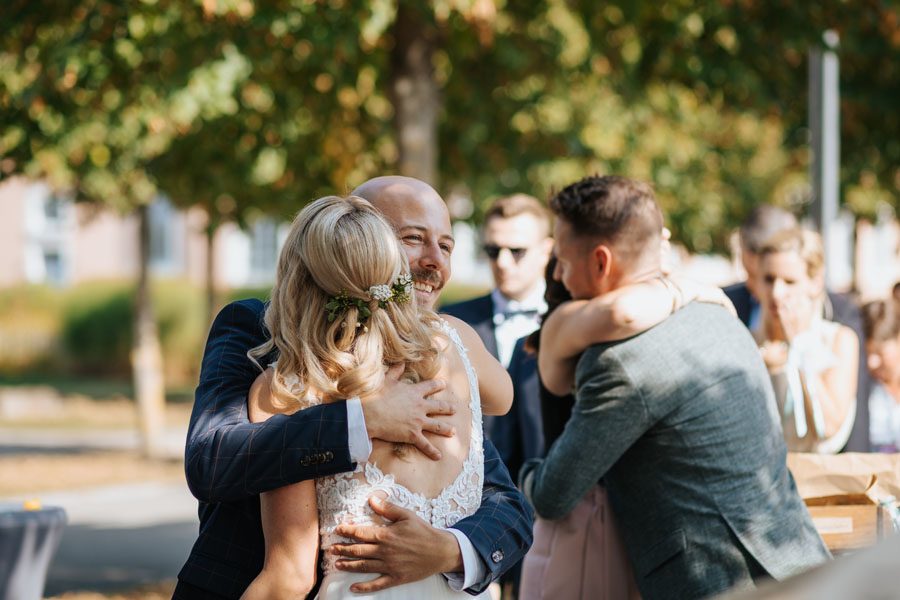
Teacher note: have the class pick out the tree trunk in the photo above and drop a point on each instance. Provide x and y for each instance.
(146, 357)
(415, 94)
(211, 228)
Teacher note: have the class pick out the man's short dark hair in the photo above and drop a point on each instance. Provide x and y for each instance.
(613, 209)
(763, 222)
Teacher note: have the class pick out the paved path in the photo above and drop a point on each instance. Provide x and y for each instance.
(117, 536)
(18, 440)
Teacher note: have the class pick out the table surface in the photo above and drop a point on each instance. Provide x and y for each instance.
(14, 515)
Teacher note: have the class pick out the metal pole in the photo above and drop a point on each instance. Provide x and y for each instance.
(824, 122)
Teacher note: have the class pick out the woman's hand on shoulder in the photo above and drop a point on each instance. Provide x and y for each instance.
(494, 384)
(700, 292)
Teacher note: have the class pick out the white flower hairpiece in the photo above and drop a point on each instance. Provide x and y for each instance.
(382, 293)
(400, 292)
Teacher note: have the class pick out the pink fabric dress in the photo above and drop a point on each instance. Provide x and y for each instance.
(579, 557)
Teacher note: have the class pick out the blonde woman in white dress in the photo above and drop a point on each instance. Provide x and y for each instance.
(342, 314)
(812, 362)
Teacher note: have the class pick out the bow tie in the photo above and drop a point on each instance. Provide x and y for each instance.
(531, 313)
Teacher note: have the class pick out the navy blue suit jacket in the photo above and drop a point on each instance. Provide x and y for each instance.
(519, 434)
(230, 461)
(841, 310)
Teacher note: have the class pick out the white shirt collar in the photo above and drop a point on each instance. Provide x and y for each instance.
(533, 301)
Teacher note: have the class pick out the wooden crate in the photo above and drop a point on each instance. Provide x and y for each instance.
(851, 526)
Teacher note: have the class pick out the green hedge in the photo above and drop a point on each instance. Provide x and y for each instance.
(29, 328)
(87, 329)
(454, 293)
(250, 292)
(96, 328)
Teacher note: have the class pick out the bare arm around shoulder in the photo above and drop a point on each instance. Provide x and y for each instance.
(620, 314)
(494, 383)
(289, 522)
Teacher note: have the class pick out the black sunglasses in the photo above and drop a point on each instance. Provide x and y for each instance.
(494, 251)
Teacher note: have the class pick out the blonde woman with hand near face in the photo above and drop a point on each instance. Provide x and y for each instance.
(812, 362)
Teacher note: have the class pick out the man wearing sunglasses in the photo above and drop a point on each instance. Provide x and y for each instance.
(517, 243)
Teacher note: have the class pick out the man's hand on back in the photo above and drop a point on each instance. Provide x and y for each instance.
(401, 412)
(407, 550)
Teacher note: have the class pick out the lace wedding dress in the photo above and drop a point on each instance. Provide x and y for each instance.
(343, 498)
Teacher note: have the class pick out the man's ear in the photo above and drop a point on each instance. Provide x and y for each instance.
(603, 260)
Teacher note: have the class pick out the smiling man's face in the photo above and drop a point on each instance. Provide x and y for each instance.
(422, 223)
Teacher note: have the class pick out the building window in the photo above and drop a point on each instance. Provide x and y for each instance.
(53, 209)
(166, 227)
(48, 227)
(263, 250)
(54, 272)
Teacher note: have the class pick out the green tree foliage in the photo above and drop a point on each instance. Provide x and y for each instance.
(242, 105)
(239, 106)
(84, 94)
(706, 100)
(307, 116)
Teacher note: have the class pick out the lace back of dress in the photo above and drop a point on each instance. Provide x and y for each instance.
(344, 498)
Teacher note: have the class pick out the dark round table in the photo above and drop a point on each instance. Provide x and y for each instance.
(28, 541)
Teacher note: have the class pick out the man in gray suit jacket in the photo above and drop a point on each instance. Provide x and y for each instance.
(679, 421)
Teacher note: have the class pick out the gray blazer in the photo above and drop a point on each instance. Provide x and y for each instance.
(681, 423)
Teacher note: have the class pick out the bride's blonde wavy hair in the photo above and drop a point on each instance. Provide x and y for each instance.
(337, 244)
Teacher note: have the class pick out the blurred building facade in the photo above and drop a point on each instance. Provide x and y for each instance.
(48, 239)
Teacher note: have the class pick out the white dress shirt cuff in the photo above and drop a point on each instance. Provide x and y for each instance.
(474, 569)
(358, 441)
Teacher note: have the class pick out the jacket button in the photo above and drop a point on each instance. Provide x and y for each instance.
(304, 461)
(329, 455)
(320, 458)
(497, 555)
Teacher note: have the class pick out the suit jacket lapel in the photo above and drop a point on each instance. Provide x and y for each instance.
(485, 326)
